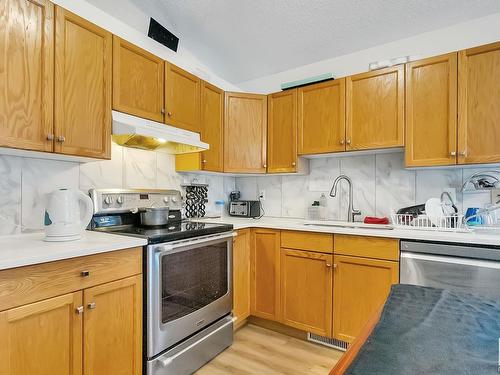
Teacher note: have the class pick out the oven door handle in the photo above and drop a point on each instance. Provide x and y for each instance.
(164, 362)
(175, 245)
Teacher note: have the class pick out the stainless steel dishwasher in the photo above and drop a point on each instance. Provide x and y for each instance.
(459, 267)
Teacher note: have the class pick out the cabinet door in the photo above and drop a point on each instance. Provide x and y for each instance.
(241, 276)
(431, 111)
(113, 328)
(182, 97)
(282, 132)
(42, 338)
(321, 121)
(245, 128)
(306, 291)
(212, 125)
(375, 109)
(478, 98)
(361, 286)
(138, 79)
(265, 271)
(82, 87)
(26, 74)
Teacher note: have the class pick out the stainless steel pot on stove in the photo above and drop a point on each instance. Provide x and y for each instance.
(152, 216)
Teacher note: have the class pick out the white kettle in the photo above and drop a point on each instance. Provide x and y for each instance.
(63, 219)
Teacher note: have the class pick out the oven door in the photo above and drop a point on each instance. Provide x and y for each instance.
(189, 286)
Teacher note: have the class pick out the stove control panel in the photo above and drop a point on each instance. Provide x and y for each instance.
(121, 200)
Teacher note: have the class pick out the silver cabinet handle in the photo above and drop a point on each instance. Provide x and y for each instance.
(50, 137)
(61, 138)
(91, 305)
(85, 273)
(453, 153)
(79, 310)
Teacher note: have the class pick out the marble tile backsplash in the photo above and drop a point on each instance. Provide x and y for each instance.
(381, 186)
(24, 182)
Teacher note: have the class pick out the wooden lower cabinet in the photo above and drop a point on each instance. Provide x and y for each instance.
(241, 277)
(361, 286)
(113, 328)
(42, 338)
(306, 291)
(94, 329)
(265, 274)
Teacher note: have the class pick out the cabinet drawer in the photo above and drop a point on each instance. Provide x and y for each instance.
(19, 286)
(320, 242)
(368, 247)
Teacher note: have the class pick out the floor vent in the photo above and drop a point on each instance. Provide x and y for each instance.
(332, 343)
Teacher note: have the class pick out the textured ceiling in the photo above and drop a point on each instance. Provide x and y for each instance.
(245, 39)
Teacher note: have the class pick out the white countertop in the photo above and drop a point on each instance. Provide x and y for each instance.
(27, 249)
(480, 238)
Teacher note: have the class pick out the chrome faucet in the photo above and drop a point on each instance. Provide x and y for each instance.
(351, 212)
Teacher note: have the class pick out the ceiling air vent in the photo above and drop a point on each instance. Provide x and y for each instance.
(162, 35)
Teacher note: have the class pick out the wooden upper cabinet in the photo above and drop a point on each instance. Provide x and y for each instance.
(361, 286)
(26, 74)
(478, 104)
(83, 54)
(375, 109)
(212, 125)
(113, 328)
(245, 133)
(43, 338)
(282, 132)
(321, 117)
(182, 98)
(241, 276)
(265, 274)
(431, 111)
(138, 79)
(306, 290)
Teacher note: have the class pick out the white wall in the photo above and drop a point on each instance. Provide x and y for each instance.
(464, 35)
(183, 58)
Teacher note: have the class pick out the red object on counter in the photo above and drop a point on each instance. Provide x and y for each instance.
(376, 220)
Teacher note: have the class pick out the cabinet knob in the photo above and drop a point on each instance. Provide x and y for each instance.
(463, 153)
(162, 111)
(50, 137)
(348, 141)
(79, 310)
(91, 305)
(328, 265)
(453, 153)
(293, 164)
(169, 114)
(61, 138)
(264, 166)
(85, 273)
(334, 265)
(204, 161)
(342, 141)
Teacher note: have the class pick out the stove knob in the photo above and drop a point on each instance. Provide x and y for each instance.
(166, 199)
(174, 200)
(108, 200)
(119, 200)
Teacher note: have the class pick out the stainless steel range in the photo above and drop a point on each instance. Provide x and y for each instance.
(187, 277)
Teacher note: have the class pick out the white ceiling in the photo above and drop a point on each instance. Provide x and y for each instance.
(242, 40)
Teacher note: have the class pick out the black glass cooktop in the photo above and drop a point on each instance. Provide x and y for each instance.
(172, 232)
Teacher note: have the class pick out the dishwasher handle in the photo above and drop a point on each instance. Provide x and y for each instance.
(451, 260)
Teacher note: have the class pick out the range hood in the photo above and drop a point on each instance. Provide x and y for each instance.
(136, 132)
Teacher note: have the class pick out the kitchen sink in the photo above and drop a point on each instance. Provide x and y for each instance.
(346, 224)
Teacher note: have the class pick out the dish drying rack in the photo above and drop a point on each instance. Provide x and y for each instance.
(447, 223)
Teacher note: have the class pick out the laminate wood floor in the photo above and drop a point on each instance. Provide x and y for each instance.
(257, 350)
